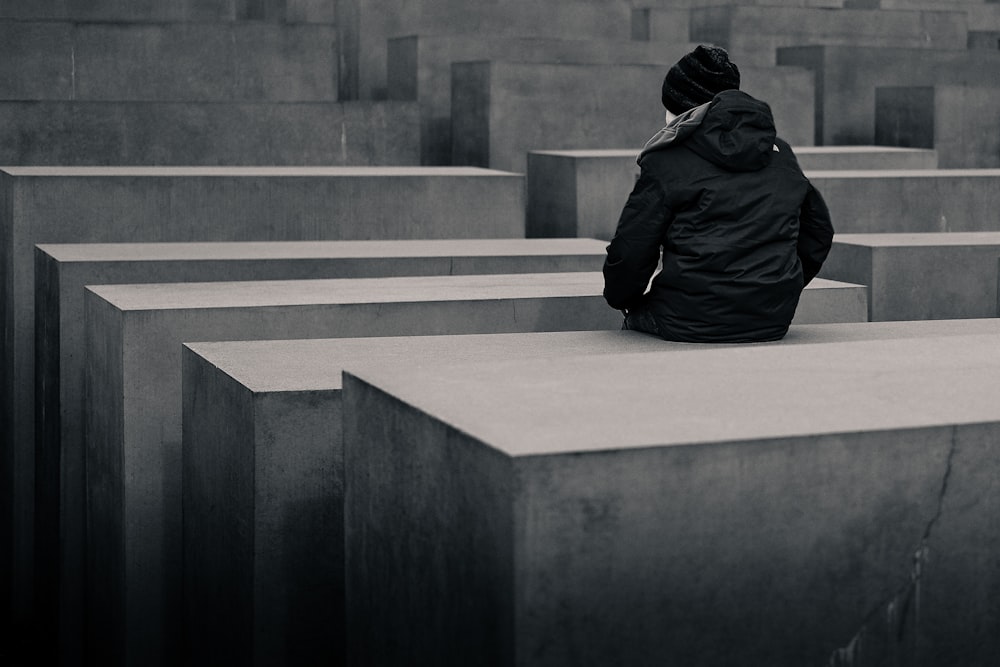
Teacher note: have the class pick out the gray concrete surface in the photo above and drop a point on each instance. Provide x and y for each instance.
(62, 271)
(419, 68)
(582, 192)
(270, 411)
(847, 76)
(157, 204)
(915, 201)
(920, 276)
(752, 34)
(502, 110)
(132, 422)
(954, 119)
(188, 62)
(554, 512)
(366, 25)
(292, 11)
(208, 133)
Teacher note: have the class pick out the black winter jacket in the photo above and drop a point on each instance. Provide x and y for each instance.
(741, 229)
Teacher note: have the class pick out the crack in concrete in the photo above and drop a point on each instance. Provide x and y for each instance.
(898, 604)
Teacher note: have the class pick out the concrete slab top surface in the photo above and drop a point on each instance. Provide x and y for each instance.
(316, 364)
(263, 293)
(804, 150)
(736, 394)
(131, 252)
(905, 173)
(923, 239)
(271, 172)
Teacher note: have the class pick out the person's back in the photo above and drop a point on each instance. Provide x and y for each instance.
(742, 230)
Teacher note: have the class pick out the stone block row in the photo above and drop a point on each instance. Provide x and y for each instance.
(163, 204)
(62, 271)
(143, 11)
(262, 447)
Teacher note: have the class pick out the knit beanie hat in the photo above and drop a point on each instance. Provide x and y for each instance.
(697, 77)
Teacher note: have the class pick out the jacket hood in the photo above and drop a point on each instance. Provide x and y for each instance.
(734, 131)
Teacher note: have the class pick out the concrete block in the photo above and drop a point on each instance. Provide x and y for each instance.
(987, 40)
(271, 412)
(920, 276)
(419, 68)
(846, 79)
(365, 25)
(752, 34)
(139, 11)
(951, 118)
(502, 110)
(582, 192)
(62, 271)
(132, 424)
(519, 512)
(100, 204)
(208, 133)
(173, 62)
(918, 200)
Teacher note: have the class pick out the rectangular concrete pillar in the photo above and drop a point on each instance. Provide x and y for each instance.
(208, 133)
(582, 192)
(920, 276)
(256, 411)
(161, 204)
(919, 200)
(502, 110)
(526, 513)
(752, 34)
(132, 424)
(846, 79)
(62, 271)
(419, 68)
(190, 62)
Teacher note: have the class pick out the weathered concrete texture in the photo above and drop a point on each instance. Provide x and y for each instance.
(502, 110)
(753, 34)
(954, 119)
(366, 25)
(291, 11)
(61, 273)
(729, 532)
(177, 62)
(207, 133)
(581, 192)
(84, 204)
(919, 200)
(229, 389)
(419, 68)
(133, 424)
(920, 276)
(846, 79)
(987, 40)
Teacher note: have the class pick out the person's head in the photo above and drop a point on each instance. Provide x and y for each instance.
(697, 77)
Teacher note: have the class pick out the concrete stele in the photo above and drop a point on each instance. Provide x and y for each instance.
(920, 276)
(581, 192)
(554, 509)
(916, 201)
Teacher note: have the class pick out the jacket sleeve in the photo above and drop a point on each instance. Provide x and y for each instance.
(634, 251)
(815, 233)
